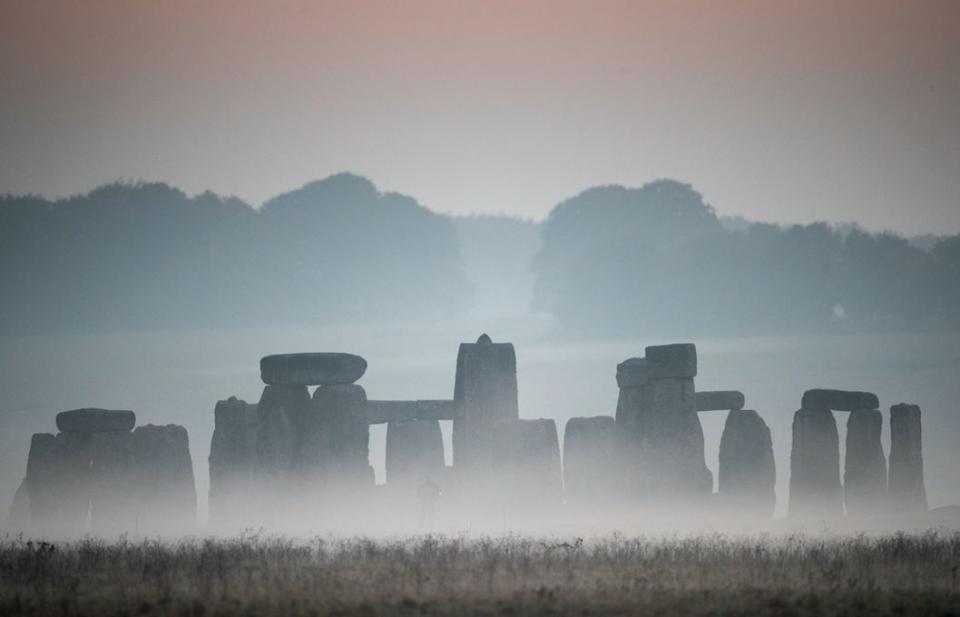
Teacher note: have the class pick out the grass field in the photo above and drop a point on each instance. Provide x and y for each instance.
(681, 575)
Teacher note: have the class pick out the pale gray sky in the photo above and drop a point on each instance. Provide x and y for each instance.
(775, 111)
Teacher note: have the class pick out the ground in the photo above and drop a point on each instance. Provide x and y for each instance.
(256, 574)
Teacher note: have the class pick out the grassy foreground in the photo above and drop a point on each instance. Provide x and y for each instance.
(684, 575)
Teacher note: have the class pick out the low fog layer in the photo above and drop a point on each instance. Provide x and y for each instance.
(139, 297)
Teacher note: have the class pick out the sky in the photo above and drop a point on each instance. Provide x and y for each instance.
(777, 111)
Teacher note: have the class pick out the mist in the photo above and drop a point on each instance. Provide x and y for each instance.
(136, 296)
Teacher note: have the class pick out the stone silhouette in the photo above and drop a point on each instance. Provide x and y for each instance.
(167, 495)
(340, 437)
(720, 400)
(906, 485)
(661, 441)
(19, 517)
(815, 489)
(59, 481)
(484, 393)
(116, 481)
(95, 420)
(865, 468)
(526, 465)
(747, 473)
(838, 400)
(280, 418)
(233, 460)
(590, 470)
(414, 453)
(312, 369)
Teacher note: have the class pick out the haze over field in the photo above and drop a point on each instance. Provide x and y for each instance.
(187, 189)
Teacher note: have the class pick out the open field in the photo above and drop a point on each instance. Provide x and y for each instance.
(251, 574)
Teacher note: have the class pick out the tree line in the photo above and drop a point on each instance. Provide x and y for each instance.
(653, 260)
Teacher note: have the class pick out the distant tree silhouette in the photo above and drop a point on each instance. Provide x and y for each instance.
(147, 256)
(655, 260)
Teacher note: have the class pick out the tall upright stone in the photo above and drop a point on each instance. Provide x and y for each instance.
(815, 489)
(281, 415)
(336, 451)
(526, 460)
(414, 454)
(233, 460)
(590, 470)
(865, 467)
(19, 517)
(59, 482)
(167, 494)
(667, 436)
(116, 483)
(747, 474)
(908, 493)
(485, 392)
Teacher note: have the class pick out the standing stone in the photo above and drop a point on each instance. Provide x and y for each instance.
(865, 468)
(414, 454)
(747, 474)
(632, 378)
(815, 489)
(19, 519)
(58, 482)
(233, 459)
(167, 496)
(115, 478)
(670, 452)
(281, 416)
(906, 486)
(526, 462)
(485, 392)
(337, 438)
(590, 469)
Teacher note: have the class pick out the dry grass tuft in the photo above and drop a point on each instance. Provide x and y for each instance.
(255, 574)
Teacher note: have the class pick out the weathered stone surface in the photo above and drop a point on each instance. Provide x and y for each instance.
(115, 483)
(839, 400)
(167, 494)
(281, 415)
(414, 453)
(485, 392)
(526, 462)
(95, 420)
(338, 437)
(667, 361)
(590, 471)
(719, 400)
(815, 489)
(310, 369)
(669, 455)
(748, 473)
(629, 409)
(865, 466)
(632, 373)
(58, 482)
(233, 460)
(907, 490)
